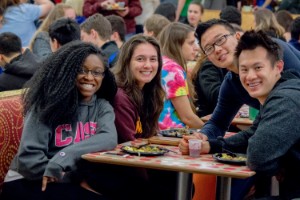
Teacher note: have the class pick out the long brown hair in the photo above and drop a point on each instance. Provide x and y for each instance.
(149, 100)
(171, 40)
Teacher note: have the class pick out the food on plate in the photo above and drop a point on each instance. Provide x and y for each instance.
(226, 156)
(115, 6)
(177, 132)
(144, 149)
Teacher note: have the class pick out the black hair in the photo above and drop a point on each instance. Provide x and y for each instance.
(52, 91)
(295, 29)
(204, 26)
(64, 30)
(10, 44)
(231, 14)
(168, 10)
(253, 39)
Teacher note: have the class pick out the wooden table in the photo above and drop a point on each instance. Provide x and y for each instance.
(235, 121)
(183, 164)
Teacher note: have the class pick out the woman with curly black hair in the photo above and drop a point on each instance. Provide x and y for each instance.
(67, 114)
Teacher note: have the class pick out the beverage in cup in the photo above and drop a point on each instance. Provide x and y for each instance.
(194, 147)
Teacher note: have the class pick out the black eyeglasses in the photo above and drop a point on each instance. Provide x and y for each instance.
(220, 41)
(95, 73)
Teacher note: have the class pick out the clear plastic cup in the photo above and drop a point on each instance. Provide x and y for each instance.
(195, 147)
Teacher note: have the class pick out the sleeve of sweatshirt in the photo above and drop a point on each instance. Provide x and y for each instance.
(91, 7)
(228, 105)
(125, 118)
(276, 134)
(135, 8)
(31, 156)
(105, 138)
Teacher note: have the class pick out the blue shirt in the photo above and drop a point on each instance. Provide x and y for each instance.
(20, 21)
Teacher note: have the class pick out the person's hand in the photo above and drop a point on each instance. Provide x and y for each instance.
(46, 180)
(200, 136)
(123, 13)
(107, 3)
(184, 143)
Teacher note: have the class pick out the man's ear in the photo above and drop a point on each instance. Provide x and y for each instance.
(54, 44)
(279, 64)
(238, 35)
(151, 33)
(94, 34)
(114, 36)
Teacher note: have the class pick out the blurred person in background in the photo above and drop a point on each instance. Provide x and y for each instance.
(285, 19)
(40, 42)
(266, 21)
(131, 9)
(118, 29)
(148, 7)
(18, 67)
(154, 25)
(194, 13)
(295, 34)
(167, 10)
(19, 17)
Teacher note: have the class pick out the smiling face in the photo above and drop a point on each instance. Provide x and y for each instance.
(189, 47)
(89, 84)
(222, 56)
(257, 74)
(144, 63)
(194, 14)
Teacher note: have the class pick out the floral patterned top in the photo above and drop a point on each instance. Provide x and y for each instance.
(174, 81)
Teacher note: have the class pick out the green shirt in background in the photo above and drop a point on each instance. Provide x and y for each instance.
(185, 8)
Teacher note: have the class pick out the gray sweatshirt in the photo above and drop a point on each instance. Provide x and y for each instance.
(273, 142)
(46, 151)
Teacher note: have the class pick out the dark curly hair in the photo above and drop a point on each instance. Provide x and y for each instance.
(52, 91)
(253, 39)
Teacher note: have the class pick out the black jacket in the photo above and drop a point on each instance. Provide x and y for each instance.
(18, 71)
(207, 86)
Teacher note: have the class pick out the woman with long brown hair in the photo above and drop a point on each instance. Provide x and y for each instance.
(177, 41)
(139, 99)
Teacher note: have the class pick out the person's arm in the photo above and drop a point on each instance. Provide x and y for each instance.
(31, 157)
(266, 3)
(91, 7)
(105, 138)
(125, 118)
(210, 79)
(187, 116)
(276, 134)
(46, 6)
(134, 9)
(180, 6)
(229, 103)
(41, 46)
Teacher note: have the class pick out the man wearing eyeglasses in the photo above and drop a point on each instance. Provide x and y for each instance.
(218, 40)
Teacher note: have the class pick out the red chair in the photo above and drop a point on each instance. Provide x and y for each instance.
(11, 125)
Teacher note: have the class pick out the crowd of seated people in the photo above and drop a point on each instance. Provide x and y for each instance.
(78, 58)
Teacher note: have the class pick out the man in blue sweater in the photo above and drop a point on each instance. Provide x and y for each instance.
(218, 41)
(272, 143)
